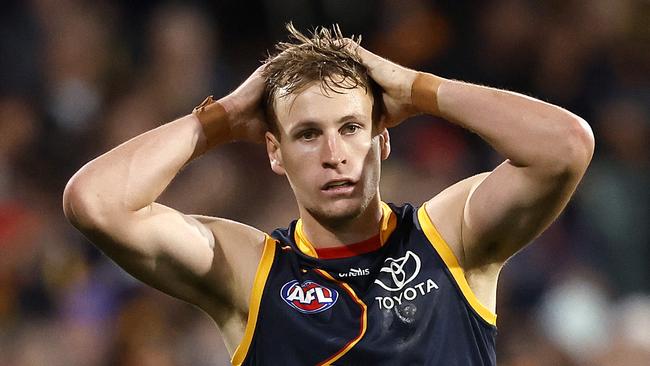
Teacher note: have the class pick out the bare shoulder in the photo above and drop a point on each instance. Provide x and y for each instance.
(228, 231)
(446, 210)
(241, 247)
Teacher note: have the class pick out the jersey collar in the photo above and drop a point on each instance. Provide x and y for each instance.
(387, 226)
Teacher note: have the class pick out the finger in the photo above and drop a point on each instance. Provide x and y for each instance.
(253, 87)
(375, 63)
(258, 72)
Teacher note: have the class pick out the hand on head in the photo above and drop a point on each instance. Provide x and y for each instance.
(244, 106)
(244, 109)
(396, 82)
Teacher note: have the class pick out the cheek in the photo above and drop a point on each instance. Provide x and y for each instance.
(363, 149)
(299, 167)
(372, 163)
(374, 152)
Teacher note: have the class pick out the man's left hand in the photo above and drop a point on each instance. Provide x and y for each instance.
(396, 82)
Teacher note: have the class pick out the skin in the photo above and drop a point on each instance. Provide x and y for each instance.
(211, 262)
(327, 137)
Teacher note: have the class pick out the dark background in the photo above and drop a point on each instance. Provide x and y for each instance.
(79, 77)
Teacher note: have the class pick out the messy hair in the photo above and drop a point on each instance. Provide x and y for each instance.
(321, 56)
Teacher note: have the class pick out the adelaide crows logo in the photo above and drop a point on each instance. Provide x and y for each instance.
(308, 297)
(402, 271)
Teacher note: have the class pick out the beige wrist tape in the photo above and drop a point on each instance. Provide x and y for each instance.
(214, 120)
(424, 93)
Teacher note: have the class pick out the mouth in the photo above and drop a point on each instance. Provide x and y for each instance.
(338, 185)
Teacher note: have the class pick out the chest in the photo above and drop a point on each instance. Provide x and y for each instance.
(395, 290)
(377, 306)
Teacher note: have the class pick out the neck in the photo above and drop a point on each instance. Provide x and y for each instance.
(362, 227)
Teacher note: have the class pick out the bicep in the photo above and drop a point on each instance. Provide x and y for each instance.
(508, 208)
(168, 250)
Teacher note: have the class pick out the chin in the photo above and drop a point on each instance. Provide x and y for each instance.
(338, 213)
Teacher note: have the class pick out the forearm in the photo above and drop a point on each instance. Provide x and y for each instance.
(529, 132)
(133, 175)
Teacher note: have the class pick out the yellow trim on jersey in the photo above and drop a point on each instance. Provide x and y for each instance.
(441, 246)
(388, 223)
(386, 227)
(261, 275)
(364, 319)
(302, 242)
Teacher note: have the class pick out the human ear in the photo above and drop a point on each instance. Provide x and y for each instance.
(274, 152)
(384, 144)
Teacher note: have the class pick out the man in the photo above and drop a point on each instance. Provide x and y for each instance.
(355, 281)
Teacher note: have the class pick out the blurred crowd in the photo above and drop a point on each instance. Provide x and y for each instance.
(79, 77)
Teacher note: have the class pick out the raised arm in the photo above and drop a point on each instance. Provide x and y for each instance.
(489, 217)
(112, 201)
(547, 151)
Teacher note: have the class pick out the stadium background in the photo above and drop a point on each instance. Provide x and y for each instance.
(78, 77)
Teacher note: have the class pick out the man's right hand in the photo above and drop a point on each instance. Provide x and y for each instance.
(244, 109)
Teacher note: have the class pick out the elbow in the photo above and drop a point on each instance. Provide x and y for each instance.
(77, 206)
(82, 205)
(576, 148)
(582, 143)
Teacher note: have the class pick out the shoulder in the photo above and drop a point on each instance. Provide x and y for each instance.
(240, 245)
(226, 231)
(447, 208)
(240, 248)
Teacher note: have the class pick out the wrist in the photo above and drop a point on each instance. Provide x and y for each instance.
(424, 93)
(214, 120)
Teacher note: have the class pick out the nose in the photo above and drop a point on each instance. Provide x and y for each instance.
(333, 153)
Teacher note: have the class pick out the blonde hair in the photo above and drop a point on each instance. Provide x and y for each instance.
(322, 56)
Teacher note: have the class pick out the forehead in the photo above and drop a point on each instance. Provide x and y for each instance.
(317, 104)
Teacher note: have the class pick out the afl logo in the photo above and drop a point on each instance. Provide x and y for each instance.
(308, 297)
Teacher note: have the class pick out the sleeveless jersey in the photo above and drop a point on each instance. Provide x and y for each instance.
(405, 303)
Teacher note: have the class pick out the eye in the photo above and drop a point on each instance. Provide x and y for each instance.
(308, 135)
(350, 128)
